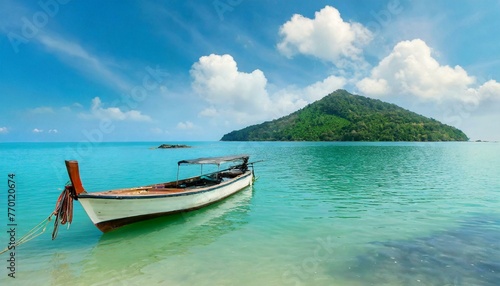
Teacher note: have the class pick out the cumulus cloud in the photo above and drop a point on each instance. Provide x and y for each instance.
(319, 89)
(113, 113)
(217, 79)
(411, 70)
(244, 97)
(327, 36)
(36, 130)
(53, 131)
(4, 130)
(489, 91)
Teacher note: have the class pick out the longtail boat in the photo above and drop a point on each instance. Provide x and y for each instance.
(112, 209)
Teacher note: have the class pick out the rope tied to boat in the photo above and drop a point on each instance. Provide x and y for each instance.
(64, 209)
(32, 234)
(63, 213)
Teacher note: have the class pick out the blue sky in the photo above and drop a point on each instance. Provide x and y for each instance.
(97, 71)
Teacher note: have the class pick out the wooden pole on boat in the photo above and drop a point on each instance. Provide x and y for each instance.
(74, 176)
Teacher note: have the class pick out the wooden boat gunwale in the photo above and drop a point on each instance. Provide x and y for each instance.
(179, 191)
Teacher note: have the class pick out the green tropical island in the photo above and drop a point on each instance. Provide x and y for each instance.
(342, 116)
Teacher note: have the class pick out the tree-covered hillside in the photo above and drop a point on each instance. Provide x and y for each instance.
(342, 116)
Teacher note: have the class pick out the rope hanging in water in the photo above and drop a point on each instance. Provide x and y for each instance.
(63, 210)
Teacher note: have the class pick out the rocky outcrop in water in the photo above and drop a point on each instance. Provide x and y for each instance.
(175, 146)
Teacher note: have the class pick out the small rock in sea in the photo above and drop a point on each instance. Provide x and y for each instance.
(169, 146)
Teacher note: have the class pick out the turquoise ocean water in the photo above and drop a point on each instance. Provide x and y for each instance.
(319, 214)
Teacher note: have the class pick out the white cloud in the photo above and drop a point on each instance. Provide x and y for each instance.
(185, 125)
(374, 86)
(287, 101)
(4, 130)
(319, 89)
(209, 112)
(42, 110)
(243, 98)
(489, 91)
(411, 70)
(217, 79)
(327, 36)
(36, 130)
(75, 105)
(113, 113)
(159, 131)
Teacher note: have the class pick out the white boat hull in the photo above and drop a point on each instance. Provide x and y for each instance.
(110, 212)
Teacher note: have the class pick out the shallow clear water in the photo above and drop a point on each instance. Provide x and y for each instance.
(319, 214)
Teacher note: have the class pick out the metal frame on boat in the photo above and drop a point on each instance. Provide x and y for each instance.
(112, 209)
